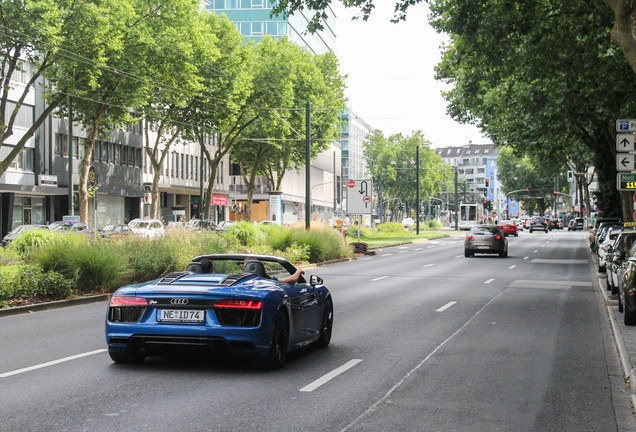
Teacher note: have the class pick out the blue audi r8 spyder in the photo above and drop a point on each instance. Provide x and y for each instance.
(250, 305)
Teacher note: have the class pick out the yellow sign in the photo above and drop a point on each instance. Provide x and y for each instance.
(629, 224)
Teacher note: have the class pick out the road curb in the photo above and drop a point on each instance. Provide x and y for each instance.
(53, 305)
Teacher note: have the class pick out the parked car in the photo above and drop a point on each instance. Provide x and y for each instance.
(509, 227)
(605, 246)
(199, 224)
(627, 291)
(616, 257)
(151, 228)
(408, 222)
(115, 231)
(597, 223)
(603, 230)
(599, 231)
(485, 239)
(538, 223)
(70, 227)
(223, 225)
(222, 303)
(19, 230)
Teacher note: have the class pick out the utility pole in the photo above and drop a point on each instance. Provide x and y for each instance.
(308, 166)
(417, 178)
(71, 205)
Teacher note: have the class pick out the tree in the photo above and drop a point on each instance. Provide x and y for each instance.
(134, 44)
(32, 37)
(275, 142)
(203, 79)
(392, 165)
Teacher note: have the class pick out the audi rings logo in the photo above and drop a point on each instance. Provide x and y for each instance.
(179, 301)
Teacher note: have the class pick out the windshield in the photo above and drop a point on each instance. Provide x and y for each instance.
(138, 225)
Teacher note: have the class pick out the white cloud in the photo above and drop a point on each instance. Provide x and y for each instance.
(391, 80)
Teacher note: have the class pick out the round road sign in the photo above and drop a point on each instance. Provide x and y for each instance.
(351, 183)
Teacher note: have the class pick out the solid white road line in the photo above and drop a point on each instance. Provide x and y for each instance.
(488, 281)
(511, 267)
(380, 278)
(428, 265)
(331, 375)
(51, 363)
(446, 306)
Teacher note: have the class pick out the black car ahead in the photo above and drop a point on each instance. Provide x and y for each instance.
(538, 223)
(485, 239)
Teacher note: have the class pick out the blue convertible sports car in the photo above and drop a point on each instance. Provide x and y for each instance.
(238, 303)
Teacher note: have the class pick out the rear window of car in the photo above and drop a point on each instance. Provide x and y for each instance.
(485, 230)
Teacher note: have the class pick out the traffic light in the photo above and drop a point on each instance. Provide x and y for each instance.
(487, 182)
(554, 192)
(485, 201)
(485, 192)
(570, 176)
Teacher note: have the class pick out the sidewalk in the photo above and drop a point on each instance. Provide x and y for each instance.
(625, 336)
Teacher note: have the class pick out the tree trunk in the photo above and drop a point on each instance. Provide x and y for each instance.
(86, 163)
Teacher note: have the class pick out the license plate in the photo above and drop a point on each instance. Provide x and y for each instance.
(482, 247)
(181, 315)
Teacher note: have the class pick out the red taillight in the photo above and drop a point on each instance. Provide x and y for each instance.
(238, 304)
(469, 236)
(128, 301)
(498, 237)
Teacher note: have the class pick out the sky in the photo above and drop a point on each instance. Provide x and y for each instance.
(391, 82)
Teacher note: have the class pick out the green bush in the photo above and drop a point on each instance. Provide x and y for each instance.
(28, 281)
(245, 232)
(32, 240)
(149, 259)
(390, 227)
(323, 244)
(91, 265)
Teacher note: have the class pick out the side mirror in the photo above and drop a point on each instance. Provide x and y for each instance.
(315, 280)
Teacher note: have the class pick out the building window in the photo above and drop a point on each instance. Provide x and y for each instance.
(24, 118)
(22, 72)
(104, 152)
(138, 157)
(192, 167)
(246, 28)
(257, 4)
(257, 28)
(272, 28)
(246, 4)
(131, 156)
(182, 165)
(196, 167)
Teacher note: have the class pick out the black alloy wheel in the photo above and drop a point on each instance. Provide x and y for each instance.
(326, 326)
(280, 342)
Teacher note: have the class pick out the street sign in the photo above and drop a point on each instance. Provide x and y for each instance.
(626, 182)
(625, 142)
(626, 125)
(625, 162)
(359, 197)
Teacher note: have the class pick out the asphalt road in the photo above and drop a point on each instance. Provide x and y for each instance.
(424, 340)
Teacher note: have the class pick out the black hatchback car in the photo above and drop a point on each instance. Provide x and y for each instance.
(485, 239)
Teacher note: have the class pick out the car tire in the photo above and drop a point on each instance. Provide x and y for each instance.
(325, 327)
(277, 354)
(516, 234)
(629, 317)
(530, 230)
(466, 253)
(127, 357)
